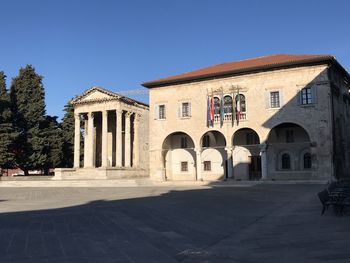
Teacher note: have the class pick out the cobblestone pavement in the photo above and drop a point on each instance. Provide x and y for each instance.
(262, 223)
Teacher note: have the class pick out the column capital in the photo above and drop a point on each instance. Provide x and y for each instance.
(90, 114)
(228, 148)
(104, 113)
(263, 146)
(77, 115)
(118, 111)
(137, 117)
(198, 150)
(128, 114)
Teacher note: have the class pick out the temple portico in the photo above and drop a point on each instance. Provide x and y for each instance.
(107, 141)
(115, 128)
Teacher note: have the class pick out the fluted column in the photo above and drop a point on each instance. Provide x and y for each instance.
(104, 139)
(136, 153)
(127, 140)
(118, 132)
(76, 140)
(198, 165)
(86, 140)
(90, 144)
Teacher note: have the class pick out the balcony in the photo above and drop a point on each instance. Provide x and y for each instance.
(228, 117)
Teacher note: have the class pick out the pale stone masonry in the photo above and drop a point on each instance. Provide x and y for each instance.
(294, 121)
(110, 136)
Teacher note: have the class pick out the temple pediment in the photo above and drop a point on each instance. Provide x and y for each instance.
(95, 94)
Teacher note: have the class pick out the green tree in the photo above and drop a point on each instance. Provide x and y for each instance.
(53, 143)
(28, 100)
(68, 136)
(7, 132)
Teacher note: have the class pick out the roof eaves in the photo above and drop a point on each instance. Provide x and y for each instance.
(248, 70)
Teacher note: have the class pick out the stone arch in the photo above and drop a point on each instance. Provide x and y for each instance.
(217, 139)
(246, 158)
(293, 139)
(179, 157)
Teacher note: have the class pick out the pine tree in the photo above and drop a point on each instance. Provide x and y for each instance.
(7, 133)
(28, 100)
(68, 136)
(53, 143)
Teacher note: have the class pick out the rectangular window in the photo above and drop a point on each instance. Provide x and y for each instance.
(207, 165)
(161, 112)
(185, 109)
(275, 99)
(289, 136)
(184, 166)
(306, 96)
(183, 142)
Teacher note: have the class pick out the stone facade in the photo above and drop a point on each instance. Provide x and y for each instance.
(283, 141)
(109, 137)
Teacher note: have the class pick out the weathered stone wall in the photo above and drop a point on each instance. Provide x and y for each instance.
(315, 119)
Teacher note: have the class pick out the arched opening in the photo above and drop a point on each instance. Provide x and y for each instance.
(213, 156)
(179, 157)
(246, 155)
(289, 152)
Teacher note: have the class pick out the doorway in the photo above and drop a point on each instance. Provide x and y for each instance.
(254, 167)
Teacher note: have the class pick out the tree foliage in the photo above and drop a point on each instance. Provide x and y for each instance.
(53, 143)
(7, 132)
(68, 136)
(28, 101)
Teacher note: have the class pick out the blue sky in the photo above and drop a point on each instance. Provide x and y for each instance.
(118, 45)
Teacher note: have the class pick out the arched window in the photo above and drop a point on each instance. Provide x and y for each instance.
(285, 161)
(227, 104)
(307, 161)
(242, 103)
(216, 105)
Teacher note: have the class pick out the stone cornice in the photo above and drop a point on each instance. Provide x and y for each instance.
(78, 100)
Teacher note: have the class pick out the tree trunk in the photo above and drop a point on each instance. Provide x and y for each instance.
(26, 172)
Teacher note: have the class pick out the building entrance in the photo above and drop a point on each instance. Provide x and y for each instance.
(255, 167)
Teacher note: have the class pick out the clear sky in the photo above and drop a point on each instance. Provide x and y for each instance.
(76, 44)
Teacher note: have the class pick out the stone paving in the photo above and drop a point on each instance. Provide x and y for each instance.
(261, 223)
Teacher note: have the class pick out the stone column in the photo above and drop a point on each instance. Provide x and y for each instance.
(86, 140)
(229, 162)
(118, 132)
(76, 140)
(90, 144)
(263, 154)
(104, 139)
(127, 140)
(198, 165)
(136, 153)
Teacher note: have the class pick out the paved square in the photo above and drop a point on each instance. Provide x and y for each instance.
(262, 223)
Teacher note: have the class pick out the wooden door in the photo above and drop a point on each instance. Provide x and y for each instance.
(255, 167)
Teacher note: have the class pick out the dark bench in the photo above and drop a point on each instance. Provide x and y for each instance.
(337, 195)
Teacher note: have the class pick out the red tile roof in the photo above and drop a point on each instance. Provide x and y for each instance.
(242, 67)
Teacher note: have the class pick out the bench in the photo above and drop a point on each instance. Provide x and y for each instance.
(336, 195)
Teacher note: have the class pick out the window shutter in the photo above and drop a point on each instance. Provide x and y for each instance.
(280, 93)
(314, 94)
(189, 109)
(156, 112)
(267, 100)
(299, 97)
(179, 109)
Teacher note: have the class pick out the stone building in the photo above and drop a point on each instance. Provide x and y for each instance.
(275, 117)
(109, 139)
